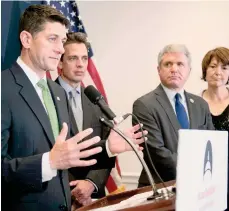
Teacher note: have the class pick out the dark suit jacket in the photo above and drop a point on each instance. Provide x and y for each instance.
(156, 113)
(91, 114)
(26, 134)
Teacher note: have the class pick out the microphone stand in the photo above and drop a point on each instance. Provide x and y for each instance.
(156, 194)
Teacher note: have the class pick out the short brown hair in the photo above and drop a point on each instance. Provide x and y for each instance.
(76, 37)
(34, 17)
(221, 54)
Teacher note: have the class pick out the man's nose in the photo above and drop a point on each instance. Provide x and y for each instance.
(60, 48)
(79, 63)
(174, 67)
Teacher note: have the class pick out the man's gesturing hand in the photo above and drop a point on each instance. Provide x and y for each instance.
(118, 145)
(67, 153)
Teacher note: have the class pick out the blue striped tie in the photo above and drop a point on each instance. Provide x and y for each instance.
(181, 113)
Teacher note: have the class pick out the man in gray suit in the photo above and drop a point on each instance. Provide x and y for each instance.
(167, 109)
(73, 65)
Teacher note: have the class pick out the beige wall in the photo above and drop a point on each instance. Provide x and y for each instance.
(127, 36)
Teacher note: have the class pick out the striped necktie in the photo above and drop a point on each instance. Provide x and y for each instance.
(76, 109)
(181, 113)
(50, 107)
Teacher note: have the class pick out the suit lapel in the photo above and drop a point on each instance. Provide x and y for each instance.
(62, 113)
(192, 109)
(166, 105)
(31, 97)
(74, 127)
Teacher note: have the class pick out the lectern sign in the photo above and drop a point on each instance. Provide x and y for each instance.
(202, 170)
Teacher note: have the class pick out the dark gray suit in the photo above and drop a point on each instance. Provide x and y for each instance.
(26, 134)
(91, 114)
(156, 113)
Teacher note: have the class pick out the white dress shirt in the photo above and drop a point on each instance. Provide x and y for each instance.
(47, 172)
(171, 95)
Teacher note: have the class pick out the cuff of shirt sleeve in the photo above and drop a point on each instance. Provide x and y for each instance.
(110, 155)
(96, 188)
(47, 172)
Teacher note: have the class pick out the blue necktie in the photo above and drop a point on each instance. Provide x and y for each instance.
(181, 113)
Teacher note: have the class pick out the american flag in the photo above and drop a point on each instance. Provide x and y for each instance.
(70, 10)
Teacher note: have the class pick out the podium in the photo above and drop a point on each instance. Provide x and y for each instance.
(204, 192)
(159, 205)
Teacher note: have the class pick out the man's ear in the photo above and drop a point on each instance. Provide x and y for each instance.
(26, 39)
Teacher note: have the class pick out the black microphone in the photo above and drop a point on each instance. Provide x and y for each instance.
(95, 97)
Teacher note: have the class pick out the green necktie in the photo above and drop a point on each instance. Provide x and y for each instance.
(50, 107)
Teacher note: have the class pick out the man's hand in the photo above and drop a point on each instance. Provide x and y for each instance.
(118, 145)
(67, 154)
(83, 190)
(87, 201)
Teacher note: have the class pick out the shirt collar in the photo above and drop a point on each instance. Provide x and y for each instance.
(67, 87)
(171, 93)
(33, 77)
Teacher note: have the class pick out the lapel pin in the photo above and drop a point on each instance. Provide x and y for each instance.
(191, 100)
(58, 98)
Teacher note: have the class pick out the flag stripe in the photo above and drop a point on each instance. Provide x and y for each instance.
(48, 75)
(95, 77)
(118, 167)
(111, 185)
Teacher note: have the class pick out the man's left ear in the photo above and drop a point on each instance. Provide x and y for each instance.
(26, 39)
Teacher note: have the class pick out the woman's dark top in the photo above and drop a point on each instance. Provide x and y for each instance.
(221, 122)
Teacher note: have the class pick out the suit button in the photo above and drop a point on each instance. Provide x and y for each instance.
(63, 207)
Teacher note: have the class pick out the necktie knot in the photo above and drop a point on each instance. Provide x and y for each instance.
(70, 95)
(177, 97)
(72, 98)
(42, 84)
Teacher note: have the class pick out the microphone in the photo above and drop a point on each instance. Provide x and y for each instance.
(156, 194)
(166, 194)
(96, 98)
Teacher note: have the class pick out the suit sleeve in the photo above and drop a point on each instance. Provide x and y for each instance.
(100, 177)
(164, 160)
(23, 173)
